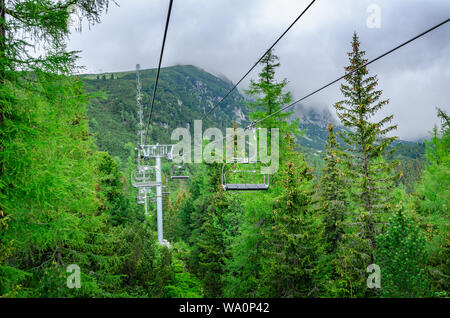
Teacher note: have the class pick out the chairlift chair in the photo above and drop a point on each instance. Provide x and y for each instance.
(144, 177)
(141, 196)
(246, 187)
(179, 172)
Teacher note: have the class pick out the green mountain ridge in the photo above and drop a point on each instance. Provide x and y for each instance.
(186, 93)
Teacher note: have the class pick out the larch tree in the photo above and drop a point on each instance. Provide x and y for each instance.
(270, 97)
(433, 204)
(25, 24)
(212, 220)
(44, 138)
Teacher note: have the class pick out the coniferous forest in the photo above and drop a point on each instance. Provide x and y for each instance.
(325, 227)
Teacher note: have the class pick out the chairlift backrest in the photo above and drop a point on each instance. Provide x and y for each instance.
(248, 186)
(144, 177)
(179, 172)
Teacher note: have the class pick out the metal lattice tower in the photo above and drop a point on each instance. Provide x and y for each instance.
(146, 177)
(140, 112)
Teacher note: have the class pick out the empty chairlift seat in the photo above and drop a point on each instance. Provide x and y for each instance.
(179, 172)
(141, 196)
(245, 186)
(229, 182)
(179, 177)
(144, 177)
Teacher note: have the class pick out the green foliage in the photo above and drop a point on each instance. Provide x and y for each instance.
(146, 266)
(62, 202)
(432, 202)
(270, 97)
(434, 188)
(115, 201)
(25, 23)
(211, 216)
(245, 247)
(185, 285)
(333, 193)
(47, 185)
(293, 244)
(401, 255)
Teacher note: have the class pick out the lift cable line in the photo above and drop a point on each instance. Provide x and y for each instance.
(255, 187)
(148, 176)
(254, 123)
(349, 73)
(257, 62)
(159, 68)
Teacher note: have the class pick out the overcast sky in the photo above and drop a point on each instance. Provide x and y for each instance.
(226, 37)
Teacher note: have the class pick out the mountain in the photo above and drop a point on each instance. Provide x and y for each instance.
(185, 93)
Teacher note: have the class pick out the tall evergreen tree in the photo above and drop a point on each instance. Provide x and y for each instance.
(371, 176)
(293, 245)
(270, 97)
(212, 220)
(247, 249)
(332, 193)
(24, 24)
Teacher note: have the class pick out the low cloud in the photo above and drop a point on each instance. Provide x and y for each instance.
(227, 36)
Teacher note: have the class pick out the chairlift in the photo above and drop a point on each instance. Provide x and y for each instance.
(142, 194)
(144, 177)
(179, 172)
(145, 193)
(248, 186)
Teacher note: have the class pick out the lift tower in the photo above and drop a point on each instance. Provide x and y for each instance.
(146, 176)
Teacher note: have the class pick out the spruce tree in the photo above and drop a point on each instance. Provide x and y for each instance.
(370, 175)
(248, 254)
(332, 193)
(110, 187)
(212, 220)
(293, 245)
